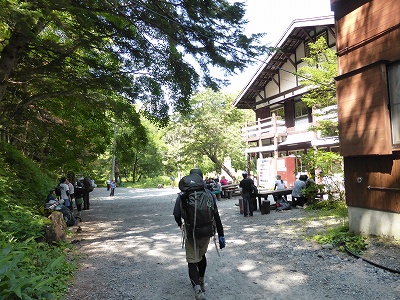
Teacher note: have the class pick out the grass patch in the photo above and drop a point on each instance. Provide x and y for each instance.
(338, 235)
(149, 182)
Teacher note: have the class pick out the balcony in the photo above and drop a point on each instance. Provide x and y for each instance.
(271, 134)
(264, 129)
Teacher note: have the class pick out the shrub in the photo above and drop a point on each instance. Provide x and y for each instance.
(29, 267)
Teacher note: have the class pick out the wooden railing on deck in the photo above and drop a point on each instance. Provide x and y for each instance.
(263, 128)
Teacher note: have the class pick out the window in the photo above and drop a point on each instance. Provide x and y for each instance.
(394, 96)
(279, 112)
(301, 110)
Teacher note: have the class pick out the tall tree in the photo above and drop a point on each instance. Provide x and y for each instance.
(319, 74)
(140, 150)
(210, 131)
(56, 54)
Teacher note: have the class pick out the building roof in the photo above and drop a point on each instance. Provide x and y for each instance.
(298, 32)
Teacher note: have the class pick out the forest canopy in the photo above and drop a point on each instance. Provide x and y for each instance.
(69, 68)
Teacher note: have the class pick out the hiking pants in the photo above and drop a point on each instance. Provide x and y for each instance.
(247, 205)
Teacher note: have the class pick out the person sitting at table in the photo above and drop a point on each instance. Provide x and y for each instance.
(223, 181)
(297, 196)
(279, 185)
(217, 188)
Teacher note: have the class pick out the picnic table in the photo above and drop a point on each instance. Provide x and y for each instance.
(230, 190)
(265, 193)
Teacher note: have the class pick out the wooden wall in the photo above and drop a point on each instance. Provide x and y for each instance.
(263, 113)
(368, 39)
(368, 34)
(289, 114)
(376, 172)
(364, 117)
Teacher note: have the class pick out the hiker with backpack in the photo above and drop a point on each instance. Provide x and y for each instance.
(196, 205)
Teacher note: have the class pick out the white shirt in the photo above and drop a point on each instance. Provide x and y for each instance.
(279, 185)
(71, 188)
(64, 188)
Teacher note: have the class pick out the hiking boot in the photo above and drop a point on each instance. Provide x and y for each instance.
(198, 293)
(202, 284)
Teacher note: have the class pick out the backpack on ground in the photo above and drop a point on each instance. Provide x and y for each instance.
(197, 206)
(282, 204)
(67, 214)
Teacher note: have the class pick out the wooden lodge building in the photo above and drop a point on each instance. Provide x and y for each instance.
(368, 91)
(281, 129)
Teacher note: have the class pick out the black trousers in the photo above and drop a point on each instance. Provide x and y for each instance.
(85, 200)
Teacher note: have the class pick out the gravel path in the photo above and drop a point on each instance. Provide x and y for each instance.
(131, 249)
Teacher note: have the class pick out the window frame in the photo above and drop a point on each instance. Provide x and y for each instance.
(393, 75)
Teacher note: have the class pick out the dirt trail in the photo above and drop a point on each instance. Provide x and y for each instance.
(131, 249)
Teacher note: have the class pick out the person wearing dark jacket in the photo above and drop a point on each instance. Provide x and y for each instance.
(196, 248)
(246, 186)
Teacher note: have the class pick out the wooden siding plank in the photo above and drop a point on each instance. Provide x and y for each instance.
(364, 121)
(385, 48)
(377, 171)
(368, 21)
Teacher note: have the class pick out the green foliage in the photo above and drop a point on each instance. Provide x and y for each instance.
(150, 182)
(21, 181)
(311, 191)
(319, 74)
(139, 150)
(208, 134)
(340, 237)
(331, 207)
(68, 68)
(29, 268)
(33, 271)
(326, 162)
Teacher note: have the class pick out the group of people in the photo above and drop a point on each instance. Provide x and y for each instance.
(301, 183)
(68, 194)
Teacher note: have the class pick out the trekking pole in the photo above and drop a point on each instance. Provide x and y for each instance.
(183, 237)
(216, 247)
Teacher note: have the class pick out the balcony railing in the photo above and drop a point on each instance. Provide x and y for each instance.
(263, 128)
(274, 129)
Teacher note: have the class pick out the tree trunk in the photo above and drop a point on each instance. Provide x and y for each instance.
(219, 164)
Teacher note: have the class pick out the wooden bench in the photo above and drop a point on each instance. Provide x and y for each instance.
(265, 193)
(230, 190)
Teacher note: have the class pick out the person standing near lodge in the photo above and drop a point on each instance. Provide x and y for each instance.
(196, 247)
(223, 181)
(246, 186)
